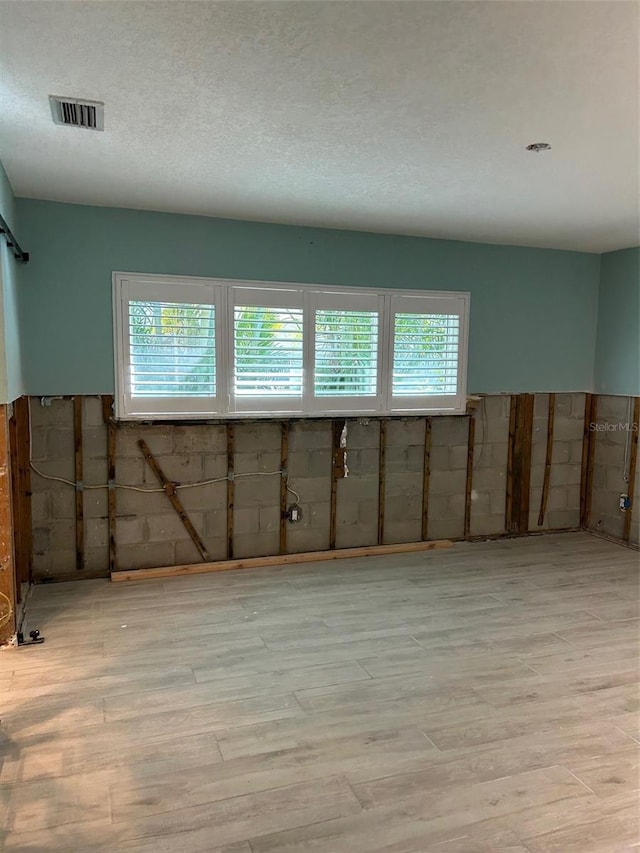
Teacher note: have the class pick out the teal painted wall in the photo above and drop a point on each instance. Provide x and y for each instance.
(533, 311)
(617, 367)
(11, 380)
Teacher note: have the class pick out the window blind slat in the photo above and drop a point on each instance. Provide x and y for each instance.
(172, 349)
(425, 354)
(346, 353)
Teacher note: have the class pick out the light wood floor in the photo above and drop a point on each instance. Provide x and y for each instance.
(474, 700)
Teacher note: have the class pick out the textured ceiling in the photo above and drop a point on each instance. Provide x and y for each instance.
(406, 117)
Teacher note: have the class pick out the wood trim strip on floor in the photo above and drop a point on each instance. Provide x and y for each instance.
(633, 464)
(547, 462)
(279, 560)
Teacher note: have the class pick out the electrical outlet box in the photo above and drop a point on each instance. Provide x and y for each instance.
(624, 503)
(294, 514)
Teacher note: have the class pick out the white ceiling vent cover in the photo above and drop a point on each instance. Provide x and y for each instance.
(73, 112)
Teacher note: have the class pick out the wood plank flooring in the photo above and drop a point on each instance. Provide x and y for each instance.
(474, 700)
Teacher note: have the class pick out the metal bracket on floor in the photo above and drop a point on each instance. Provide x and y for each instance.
(35, 640)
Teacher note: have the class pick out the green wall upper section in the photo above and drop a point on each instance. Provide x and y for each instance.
(617, 368)
(533, 311)
(11, 384)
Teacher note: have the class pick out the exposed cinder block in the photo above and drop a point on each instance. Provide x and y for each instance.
(94, 442)
(131, 530)
(362, 433)
(362, 462)
(62, 502)
(257, 491)
(269, 519)
(450, 430)
(310, 435)
(182, 468)
(246, 521)
(311, 488)
(262, 436)
(407, 530)
(97, 560)
(612, 408)
(356, 535)
(560, 452)
(250, 463)
(446, 528)
(559, 518)
(488, 479)
(496, 406)
(134, 472)
(208, 438)
(458, 455)
(403, 509)
(146, 556)
(56, 413)
(187, 553)
(159, 439)
(92, 411)
(141, 503)
(256, 544)
(168, 527)
(204, 497)
(215, 466)
(215, 523)
(95, 471)
(407, 432)
(486, 525)
(346, 513)
(447, 482)
(567, 429)
(96, 532)
(39, 449)
(404, 485)
(62, 562)
(299, 540)
(368, 511)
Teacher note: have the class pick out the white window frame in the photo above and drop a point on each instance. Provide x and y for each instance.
(225, 293)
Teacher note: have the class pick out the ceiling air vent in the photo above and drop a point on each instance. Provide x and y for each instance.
(73, 112)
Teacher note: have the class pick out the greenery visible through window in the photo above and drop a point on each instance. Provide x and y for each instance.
(346, 356)
(268, 351)
(172, 349)
(198, 348)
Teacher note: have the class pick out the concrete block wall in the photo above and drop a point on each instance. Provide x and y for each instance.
(491, 450)
(563, 501)
(613, 435)
(149, 533)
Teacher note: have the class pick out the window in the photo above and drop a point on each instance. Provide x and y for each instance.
(198, 348)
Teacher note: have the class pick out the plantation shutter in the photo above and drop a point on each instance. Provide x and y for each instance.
(346, 351)
(267, 350)
(427, 359)
(169, 347)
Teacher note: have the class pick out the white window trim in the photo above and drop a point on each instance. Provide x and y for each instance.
(309, 295)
